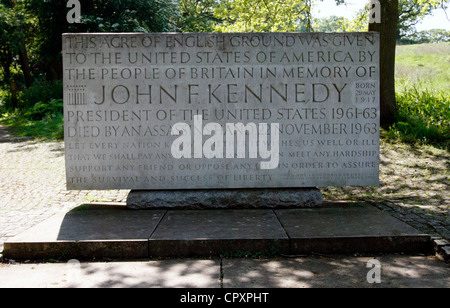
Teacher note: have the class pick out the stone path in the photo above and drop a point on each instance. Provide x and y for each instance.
(32, 188)
(395, 271)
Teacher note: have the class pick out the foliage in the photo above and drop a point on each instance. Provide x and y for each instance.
(342, 24)
(129, 16)
(411, 12)
(30, 31)
(427, 36)
(423, 95)
(104, 16)
(40, 93)
(262, 15)
(43, 121)
(16, 28)
(41, 110)
(197, 15)
(423, 116)
(40, 114)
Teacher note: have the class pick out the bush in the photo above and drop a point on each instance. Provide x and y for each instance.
(40, 113)
(40, 92)
(41, 110)
(49, 127)
(423, 116)
(5, 99)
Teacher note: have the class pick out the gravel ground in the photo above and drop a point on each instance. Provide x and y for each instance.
(33, 185)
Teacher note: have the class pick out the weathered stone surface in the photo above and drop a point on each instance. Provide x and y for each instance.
(446, 252)
(87, 232)
(121, 233)
(221, 111)
(226, 199)
(398, 271)
(218, 232)
(137, 274)
(346, 228)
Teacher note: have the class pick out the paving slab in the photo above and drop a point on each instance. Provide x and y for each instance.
(89, 231)
(151, 274)
(218, 232)
(396, 271)
(349, 229)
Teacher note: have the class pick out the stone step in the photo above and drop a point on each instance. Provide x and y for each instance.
(113, 231)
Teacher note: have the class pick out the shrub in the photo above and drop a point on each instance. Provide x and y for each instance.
(41, 110)
(40, 92)
(423, 116)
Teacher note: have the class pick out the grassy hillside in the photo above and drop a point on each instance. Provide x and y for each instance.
(423, 95)
(426, 66)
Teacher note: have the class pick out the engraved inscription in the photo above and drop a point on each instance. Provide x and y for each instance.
(211, 111)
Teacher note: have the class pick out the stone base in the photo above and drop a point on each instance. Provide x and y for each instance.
(226, 199)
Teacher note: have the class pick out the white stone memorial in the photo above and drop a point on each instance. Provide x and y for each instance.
(221, 111)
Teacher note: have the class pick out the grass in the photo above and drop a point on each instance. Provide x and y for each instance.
(424, 66)
(423, 95)
(47, 126)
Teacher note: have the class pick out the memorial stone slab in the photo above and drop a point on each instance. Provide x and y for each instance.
(221, 111)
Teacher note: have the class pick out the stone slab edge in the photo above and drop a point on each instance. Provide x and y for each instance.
(119, 249)
(226, 199)
(442, 247)
(362, 244)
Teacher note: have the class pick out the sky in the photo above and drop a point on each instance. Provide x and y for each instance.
(328, 8)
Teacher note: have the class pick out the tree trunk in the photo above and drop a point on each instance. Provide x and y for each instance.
(14, 101)
(23, 54)
(25, 63)
(388, 35)
(6, 62)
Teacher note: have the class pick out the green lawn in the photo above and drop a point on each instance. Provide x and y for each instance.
(423, 94)
(426, 66)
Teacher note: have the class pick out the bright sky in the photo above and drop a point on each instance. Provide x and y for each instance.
(328, 8)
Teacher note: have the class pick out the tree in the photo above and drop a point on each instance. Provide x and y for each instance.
(14, 30)
(129, 15)
(6, 30)
(388, 41)
(330, 24)
(197, 16)
(97, 16)
(262, 15)
(21, 30)
(427, 36)
(411, 12)
(394, 16)
(342, 24)
(14, 25)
